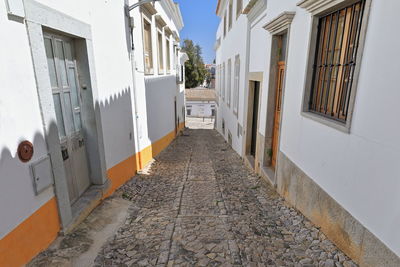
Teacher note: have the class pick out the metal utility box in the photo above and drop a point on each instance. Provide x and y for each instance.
(42, 174)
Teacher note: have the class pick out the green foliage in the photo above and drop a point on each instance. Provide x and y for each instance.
(195, 71)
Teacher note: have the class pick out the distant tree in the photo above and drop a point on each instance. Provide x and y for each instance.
(195, 71)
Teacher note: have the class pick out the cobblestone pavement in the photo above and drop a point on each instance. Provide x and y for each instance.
(198, 205)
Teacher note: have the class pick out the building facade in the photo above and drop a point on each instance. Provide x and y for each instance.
(91, 92)
(210, 80)
(231, 71)
(316, 112)
(200, 103)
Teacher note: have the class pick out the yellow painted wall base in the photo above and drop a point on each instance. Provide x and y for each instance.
(125, 170)
(37, 232)
(30, 237)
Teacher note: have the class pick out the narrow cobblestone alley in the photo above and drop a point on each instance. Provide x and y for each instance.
(198, 205)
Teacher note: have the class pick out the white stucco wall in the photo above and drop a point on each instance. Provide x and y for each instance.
(160, 94)
(200, 108)
(20, 114)
(20, 119)
(237, 36)
(359, 170)
(114, 73)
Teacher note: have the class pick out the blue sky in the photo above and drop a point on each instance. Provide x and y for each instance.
(201, 24)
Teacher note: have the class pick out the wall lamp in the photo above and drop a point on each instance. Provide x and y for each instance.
(141, 3)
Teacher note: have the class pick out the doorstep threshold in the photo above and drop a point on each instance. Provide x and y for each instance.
(85, 205)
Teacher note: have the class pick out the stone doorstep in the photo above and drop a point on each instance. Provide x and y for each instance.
(85, 205)
(249, 162)
(268, 174)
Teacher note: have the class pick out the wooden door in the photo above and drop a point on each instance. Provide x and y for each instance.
(67, 105)
(278, 106)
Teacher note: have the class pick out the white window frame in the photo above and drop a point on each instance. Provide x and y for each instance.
(147, 19)
(322, 8)
(168, 54)
(223, 82)
(229, 83)
(160, 52)
(217, 78)
(236, 85)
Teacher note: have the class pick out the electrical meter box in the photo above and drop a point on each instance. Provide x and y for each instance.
(42, 174)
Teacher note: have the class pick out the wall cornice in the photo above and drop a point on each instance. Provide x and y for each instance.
(280, 23)
(220, 7)
(173, 11)
(318, 6)
(249, 6)
(254, 8)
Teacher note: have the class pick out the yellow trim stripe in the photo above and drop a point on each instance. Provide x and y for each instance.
(125, 170)
(31, 236)
(37, 232)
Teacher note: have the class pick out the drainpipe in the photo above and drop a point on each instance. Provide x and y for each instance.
(135, 103)
(133, 69)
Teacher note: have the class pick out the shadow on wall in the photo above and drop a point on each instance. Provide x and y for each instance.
(15, 176)
(18, 201)
(160, 93)
(119, 138)
(118, 131)
(30, 217)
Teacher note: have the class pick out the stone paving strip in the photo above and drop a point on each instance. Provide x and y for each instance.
(198, 205)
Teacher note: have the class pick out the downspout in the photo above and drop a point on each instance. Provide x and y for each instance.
(133, 67)
(135, 102)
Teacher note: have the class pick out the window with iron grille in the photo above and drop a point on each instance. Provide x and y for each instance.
(335, 60)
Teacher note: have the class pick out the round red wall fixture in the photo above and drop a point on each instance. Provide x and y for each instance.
(25, 151)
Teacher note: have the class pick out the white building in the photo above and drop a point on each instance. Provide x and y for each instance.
(320, 126)
(200, 103)
(231, 70)
(95, 91)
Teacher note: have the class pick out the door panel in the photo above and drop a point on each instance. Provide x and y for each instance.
(51, 62)
(66, 96)
(61, 69)
(72, 192)
(68, 113)
(278, 106)
(80, 164)
(59, 115)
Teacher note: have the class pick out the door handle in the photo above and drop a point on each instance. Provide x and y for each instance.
(64, 153)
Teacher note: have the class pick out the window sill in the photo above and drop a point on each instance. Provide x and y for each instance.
(345, 128)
